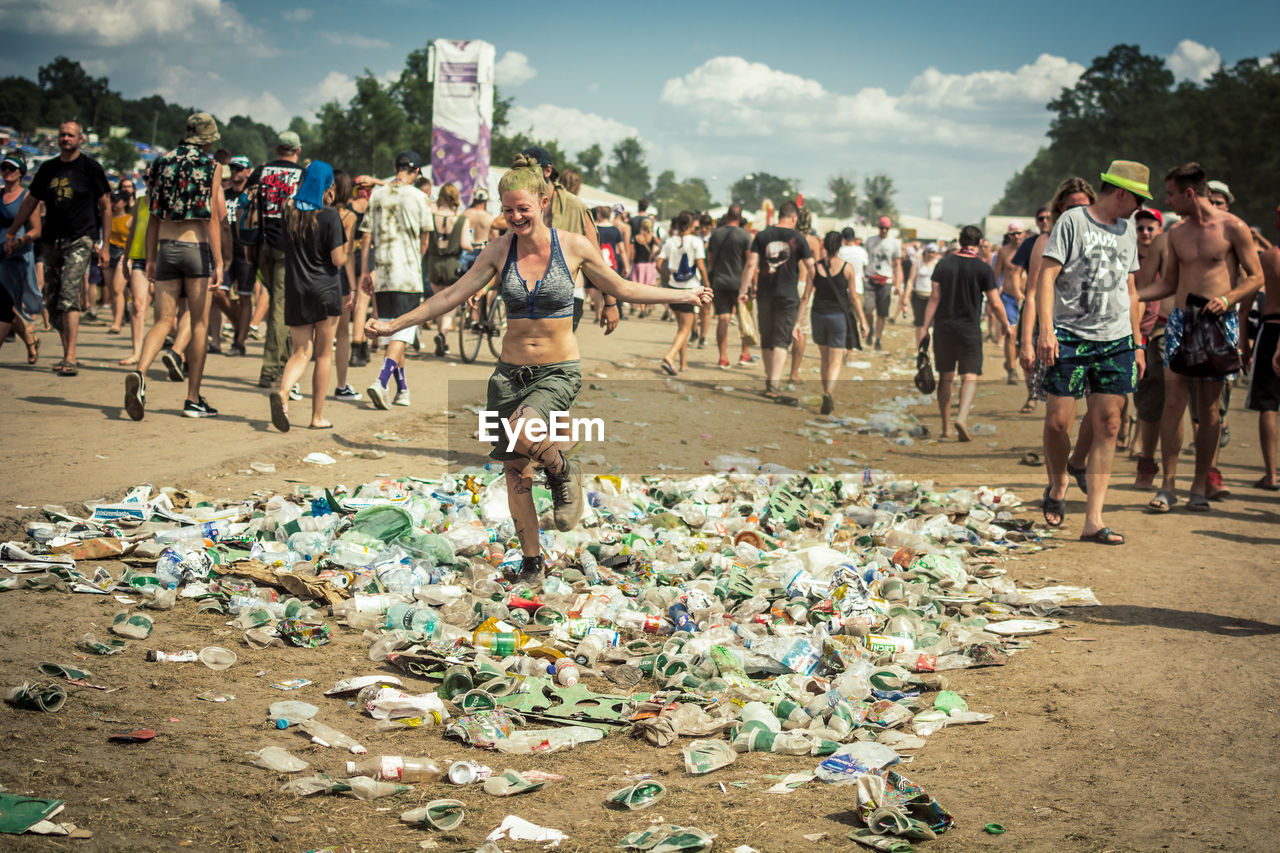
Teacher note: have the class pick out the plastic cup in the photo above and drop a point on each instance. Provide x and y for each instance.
(216, 657)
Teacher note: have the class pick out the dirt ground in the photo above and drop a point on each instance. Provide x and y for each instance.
(1155, 730)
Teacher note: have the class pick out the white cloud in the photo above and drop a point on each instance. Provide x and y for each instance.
(1193, 61)
(513, 69)
(732, 97)
(335, 86)
(1036, 83)
(299, 15)
(572, 128)
(208, 91)
(357, 41)
(118, 23)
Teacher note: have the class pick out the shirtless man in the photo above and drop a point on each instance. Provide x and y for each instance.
(1204, 253)
(480, 218)
(1264, 373)
(1011, 295)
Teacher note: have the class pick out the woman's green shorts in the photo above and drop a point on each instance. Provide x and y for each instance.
(545, 388)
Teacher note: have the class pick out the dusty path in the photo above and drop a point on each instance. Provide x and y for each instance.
(1159, 733)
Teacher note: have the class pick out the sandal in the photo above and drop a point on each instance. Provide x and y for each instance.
(1028, 407)
(68, 368)
(1197, 503)
(1262, 484)
(33, 351)
(669, 367)
(1053, 506)
(1079, 475)
(1162, 501)
(279, 415)
(1103, 536)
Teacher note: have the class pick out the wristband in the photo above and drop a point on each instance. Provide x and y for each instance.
(611, 305)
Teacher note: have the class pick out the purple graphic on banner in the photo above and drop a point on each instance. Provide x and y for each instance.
(453, 160)
(462, 114)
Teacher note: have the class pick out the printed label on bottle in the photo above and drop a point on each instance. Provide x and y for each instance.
(392, 768)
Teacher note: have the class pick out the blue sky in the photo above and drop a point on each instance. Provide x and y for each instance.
(946, 106)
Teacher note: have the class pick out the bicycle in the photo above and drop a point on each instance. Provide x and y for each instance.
(473, 332)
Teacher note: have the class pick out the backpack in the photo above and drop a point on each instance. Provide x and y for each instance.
(686, 269)
(248, 222)
(444, 252)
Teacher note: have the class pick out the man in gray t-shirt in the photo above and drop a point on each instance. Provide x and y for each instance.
(1091, 295)
(1088, 314)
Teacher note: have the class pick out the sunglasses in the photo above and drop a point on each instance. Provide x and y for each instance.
(1145, 229)
(1042, 218)
(8, 167)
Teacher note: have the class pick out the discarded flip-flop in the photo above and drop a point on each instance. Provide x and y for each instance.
(443, 815)
(134, 736)
(509, 783)
(37, 696)
(59, 670)
(638, 796)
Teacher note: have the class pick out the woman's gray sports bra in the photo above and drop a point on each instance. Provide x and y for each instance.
(551, 296)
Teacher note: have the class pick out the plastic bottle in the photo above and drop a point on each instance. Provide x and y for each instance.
(528, 667)
(639, 621)
(567, 672)
(366, 604)
(681, 618)
(589, 649)
(498, 643)
(413, 617)
(350, 555)
(187, 656)
(397, 768)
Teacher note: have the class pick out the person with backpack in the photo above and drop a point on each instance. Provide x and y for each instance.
(613, 247)
(683, 266)
(452, 237)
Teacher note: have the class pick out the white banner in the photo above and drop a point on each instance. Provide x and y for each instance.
(462, 114)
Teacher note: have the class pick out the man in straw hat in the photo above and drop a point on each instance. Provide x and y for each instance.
(184, 257)
(1089, 314)
(1212, 268)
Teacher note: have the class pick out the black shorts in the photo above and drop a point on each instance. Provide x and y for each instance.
(919, 302)
(177, 259)
(957, 350)
(392, 303)
(1264, 385)
(239, 277)
(777, 320)
(724, 302)
(1148, 396)
(878, 296)
(306, 303)
(139, 264)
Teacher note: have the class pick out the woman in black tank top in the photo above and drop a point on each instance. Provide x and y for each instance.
(836, 317)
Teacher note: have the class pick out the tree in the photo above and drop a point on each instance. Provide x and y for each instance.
(589, 165)
(877, 198)
(20, 103)
(119, 155)
(65, 77)
(671, 196)
(750, 190)
(366, 135)
(628, 174)
(505, 149)
(844, 195)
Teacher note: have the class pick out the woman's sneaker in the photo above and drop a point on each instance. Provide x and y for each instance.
(346, 392)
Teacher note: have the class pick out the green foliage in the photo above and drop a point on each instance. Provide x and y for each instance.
(751, 190)
(118, 155)
(589, 165)
(844, 195)
(671, 196)
(367, 134)
(505, 148)
(628, 173)
(20, 103)
(1126, 106)
(877, 198)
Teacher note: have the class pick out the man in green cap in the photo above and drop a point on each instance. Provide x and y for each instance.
(1089, 315)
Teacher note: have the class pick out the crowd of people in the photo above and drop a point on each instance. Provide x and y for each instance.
(1142, 313)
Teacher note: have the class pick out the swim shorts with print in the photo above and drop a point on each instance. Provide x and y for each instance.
(1092, 367)
(1177, 327)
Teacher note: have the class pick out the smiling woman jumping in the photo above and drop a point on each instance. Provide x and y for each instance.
(538, 372)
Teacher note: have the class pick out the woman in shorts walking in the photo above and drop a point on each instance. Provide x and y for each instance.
(836, 317)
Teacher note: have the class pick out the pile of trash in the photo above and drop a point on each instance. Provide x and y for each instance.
(752, 609)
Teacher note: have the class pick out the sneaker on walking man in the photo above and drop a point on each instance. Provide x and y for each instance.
(77, 203)
(398, 223)
(1088, 319)
(275, 183)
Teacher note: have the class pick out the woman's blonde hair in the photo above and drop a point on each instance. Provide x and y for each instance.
(525, 175)
(1070, 186)
(449, 196)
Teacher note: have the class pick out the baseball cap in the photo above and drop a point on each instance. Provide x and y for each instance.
(885, 222)
(239, 163)
(480, 194)
(408, 161)
(847, 233)
(1150, 212)
(540, 154)
(201, 129)
(1015, 227)
(15, 159)
(1221, 187)
(288, 141)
